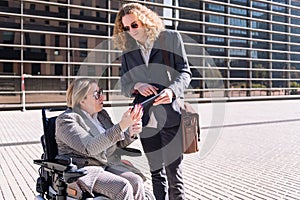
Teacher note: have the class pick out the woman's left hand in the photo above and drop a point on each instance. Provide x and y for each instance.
(135, 129)
(165, 97)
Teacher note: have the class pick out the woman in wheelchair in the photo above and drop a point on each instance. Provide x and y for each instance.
(86, 134)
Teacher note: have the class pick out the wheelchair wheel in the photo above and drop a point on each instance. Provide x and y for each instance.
(149, 195)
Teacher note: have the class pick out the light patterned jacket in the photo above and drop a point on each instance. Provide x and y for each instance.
(78, 138)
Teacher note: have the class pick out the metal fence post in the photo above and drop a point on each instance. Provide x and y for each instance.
(23, 92)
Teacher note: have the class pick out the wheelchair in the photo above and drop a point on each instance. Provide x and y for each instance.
(57, 178)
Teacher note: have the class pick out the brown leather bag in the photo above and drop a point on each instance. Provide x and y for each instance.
(190, 129)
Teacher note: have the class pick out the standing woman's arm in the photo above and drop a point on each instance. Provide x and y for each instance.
(180, 63)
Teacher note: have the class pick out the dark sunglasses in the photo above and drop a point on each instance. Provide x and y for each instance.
(98, 94)
(132, 25)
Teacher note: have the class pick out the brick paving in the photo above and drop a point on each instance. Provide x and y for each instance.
(250, 150)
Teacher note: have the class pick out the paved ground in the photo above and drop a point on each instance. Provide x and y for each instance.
(249, 150)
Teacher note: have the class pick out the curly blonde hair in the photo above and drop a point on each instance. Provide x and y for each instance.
(153, 23)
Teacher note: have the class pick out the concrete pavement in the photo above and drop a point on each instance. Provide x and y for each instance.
(249, 150)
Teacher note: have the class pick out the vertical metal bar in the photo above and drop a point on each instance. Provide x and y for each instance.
(108, 54)
(69, 46)
(289, 45)
(249, 92)
(227, 22)
(270, 45)
(22, 59)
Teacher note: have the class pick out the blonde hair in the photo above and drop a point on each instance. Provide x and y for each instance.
(153, 23)
(78, 90)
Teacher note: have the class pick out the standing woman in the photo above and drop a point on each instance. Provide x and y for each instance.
(154, 62)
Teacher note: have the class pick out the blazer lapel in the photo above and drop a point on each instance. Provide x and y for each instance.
(93, 129)
(136, 55)
(155, 49)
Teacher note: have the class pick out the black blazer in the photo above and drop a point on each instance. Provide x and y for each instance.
(167, 68)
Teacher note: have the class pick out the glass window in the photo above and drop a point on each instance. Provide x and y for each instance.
(89, 15)
(261, 74)
(238, 32)
(279, 37)
(240, 2)
(239, 63)
(215, 7)
(238, 22)
(260, 34)
(8, 37)
(260, 45)
(259, 54)
(295, 20)
(36, 69)
(295, 56)
(83, 45)
(216, 51)
(260, 65)
(295, 30)
(45, 25)
(215, 19)
(239, 74)
(238, 11)
(8, 67)
(259, 15)
(215, 29)
(279, 56)
(261, 5)
(259, 25)
(279, 18)
(220, 62)
(295, 11)
(279, 65)
(278, 8)
(281, 1)
(238, 52)
(295, 3)
(280, 28)
(58, 69)
(90, 29)
(295, 48)
(239, 43)
(282, 47)
(215, 40)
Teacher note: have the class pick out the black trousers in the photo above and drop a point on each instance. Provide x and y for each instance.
(163, 149)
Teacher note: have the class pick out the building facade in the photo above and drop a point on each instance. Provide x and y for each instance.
(237, 48)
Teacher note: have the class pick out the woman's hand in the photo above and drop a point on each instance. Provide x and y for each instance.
(165, 97)
(145, 89)
(131, 116)
(135, 129)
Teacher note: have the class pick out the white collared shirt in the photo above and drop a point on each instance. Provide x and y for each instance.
(146, 50)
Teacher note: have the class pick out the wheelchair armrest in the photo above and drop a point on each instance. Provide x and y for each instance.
(56, 165)
(69, 171)
(127, 151)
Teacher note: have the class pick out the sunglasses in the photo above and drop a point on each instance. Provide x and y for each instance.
(98, 94)
(132, 25)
